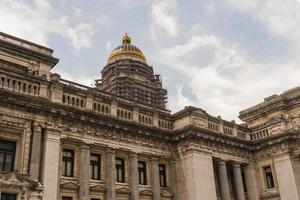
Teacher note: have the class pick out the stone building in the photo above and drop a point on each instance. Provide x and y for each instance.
(62, 140)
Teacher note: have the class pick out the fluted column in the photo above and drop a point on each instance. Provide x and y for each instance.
(134, 177)
(110, 175)
(84, 173)
(155, 185)
(238, 182)
(223, 180)
(173, 179)
(35, 152)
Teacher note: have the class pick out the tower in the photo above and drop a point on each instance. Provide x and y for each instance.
(128, 75)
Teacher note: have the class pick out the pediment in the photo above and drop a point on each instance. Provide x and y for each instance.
(71, 185)
(146, 192)
(97, 188)
(18, 180)
(123, 190)
(166, 193)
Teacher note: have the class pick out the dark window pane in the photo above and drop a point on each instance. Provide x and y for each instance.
(67, 198)
(142, 173)
(120, 170)
(269, 177)
(68, 163)
(95, 166)
(7, 155)
(7, 196)
(162, 176)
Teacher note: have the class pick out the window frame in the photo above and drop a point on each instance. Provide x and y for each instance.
(162, 174)
(270, 183)
(6, 152)
(94, 164)
(66, 198)
(68, 160)
(9, 196)
(142, 171)
(122, 168)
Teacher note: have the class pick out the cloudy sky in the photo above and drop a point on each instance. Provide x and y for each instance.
(220, 55)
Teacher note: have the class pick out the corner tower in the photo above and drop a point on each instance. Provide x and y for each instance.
(128, 75)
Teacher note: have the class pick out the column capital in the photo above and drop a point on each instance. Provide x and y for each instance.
(37, 127)
(133, 155)
(110, 150)
(221, 162)
(154, 159)
(236, 165)
(84, 146)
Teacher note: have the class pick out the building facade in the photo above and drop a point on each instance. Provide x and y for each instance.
(117, 141)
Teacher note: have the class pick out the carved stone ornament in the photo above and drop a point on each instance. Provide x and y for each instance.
(146, 192)
(18, 180)
(97, 188)
(69, 184)
(33, 67)
(122, 190)
(166, 193)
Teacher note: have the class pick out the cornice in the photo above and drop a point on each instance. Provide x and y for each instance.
(42, 105)
(25, 52)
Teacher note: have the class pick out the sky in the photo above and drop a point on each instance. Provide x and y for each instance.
(220, 55)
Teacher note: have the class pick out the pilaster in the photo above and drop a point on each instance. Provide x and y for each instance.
(35, 151)
(110, 175)
(84, 173)
(51, 164)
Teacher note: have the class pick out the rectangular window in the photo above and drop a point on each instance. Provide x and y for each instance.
(120, 170)
(68, 163)
(7, 196)
(7, 155)
(67, 198)
(95, 166)
(142, 173)
(162, 176)
(269, 177)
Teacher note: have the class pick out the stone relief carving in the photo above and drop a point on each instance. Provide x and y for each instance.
(33, 67)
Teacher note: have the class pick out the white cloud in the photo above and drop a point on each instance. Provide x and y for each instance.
(164, 20)
(280, 17)
(228, 81)
(38, 22)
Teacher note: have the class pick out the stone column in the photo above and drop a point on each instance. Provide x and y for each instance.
(223, 180)
(173, 179)
(84, 172)
(110, 175)
(35, 152)
(134, 177)
(238, 182)
(155, 184)
(250, 178)
(51, 164)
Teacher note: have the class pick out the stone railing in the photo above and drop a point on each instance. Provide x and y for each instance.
(276, 125)
(220, 126)
(19, 86)
(88, 98)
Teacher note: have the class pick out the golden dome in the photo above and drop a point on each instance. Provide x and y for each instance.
(126, 50)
